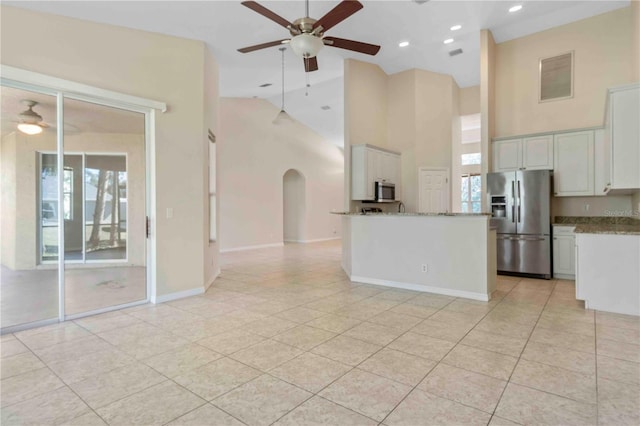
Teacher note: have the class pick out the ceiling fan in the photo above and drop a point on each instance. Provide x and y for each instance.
(307, 34)
(30, 121)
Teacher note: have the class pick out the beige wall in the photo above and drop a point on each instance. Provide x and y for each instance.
(618, 205)
(20, 250)
(147, 65)
(365, 113)
(421, 114)
(401, 134)
(603, 49)
(635, 47)
(488, 112)
(253, 156)
(211, 110)
(469, 100)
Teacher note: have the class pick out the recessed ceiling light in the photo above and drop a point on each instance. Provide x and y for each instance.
(403, 44)
(515, 8)
(456, 27)
(449, 40)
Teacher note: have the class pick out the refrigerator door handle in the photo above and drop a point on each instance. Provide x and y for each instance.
(519, 203)
(513, 213)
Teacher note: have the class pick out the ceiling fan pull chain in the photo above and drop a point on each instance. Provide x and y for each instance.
(306, 89)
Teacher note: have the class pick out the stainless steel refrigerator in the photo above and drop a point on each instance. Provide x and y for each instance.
(520, 204)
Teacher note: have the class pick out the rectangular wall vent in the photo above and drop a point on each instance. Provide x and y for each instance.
(455, 52)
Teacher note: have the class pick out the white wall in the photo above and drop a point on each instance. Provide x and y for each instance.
(253, 155)
(148, 65)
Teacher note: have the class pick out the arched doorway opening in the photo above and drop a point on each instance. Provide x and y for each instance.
(294, 206)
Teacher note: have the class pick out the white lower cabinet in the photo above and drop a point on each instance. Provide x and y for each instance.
(564, 254)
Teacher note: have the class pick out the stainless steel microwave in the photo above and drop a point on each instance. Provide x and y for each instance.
(385, 192)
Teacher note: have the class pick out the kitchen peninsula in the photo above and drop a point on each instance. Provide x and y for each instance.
(452, 254)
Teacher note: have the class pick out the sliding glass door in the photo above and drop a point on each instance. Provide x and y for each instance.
(30, 225)
(105, 240)
(73, 210)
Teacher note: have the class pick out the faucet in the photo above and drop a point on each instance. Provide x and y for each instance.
(401, 207)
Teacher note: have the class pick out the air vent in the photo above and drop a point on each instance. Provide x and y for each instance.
(325, 107)
(420, 1)
(266, 85)
(455, 52)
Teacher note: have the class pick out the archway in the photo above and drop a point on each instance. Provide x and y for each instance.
(293, 206)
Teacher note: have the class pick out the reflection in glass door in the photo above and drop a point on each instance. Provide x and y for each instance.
(30, 224)
(105, 234)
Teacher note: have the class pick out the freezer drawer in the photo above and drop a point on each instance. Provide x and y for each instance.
(524, 254)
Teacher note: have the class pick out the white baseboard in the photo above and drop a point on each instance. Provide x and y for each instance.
(259, 246)
(316, 240)
(177, 295)
(423, 288)
(565, 277)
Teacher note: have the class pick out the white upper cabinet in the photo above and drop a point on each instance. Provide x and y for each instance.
(573, 164)
(530, 153)
(507, 155)
(622, 138)
(370, 165)
(537, 153)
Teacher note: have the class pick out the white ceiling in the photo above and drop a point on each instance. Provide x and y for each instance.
(227, 25)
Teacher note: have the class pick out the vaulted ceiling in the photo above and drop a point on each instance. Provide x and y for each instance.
(226, 26)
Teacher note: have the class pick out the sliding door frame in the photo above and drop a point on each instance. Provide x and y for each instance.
(65, 89)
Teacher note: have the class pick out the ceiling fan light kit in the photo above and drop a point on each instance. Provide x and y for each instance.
(307, 34)
(29, 119)
(306, 45)
(29, 129)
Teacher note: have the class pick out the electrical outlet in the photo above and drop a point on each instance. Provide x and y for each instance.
(586, 207)
(425, 268)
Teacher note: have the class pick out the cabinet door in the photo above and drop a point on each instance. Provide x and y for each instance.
(537, 153)
(625, 128)
(377, 161)
(507, 155)
(602, 176)
(372, 172)
(574, 164)
(564, 262)
(397, 175)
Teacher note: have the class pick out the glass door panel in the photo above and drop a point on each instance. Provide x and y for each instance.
(105, 246)
(29, 209)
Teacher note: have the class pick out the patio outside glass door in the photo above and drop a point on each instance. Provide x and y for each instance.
(105, 232)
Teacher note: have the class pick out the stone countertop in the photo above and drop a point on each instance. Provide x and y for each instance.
(619, 225)
(411, 214)
(618, 229)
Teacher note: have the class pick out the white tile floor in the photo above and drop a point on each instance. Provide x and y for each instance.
(284, 338)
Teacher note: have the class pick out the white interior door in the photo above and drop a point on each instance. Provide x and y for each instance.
(433, 190)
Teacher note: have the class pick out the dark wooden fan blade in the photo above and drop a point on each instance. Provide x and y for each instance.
(356, 46)
(310, 64)
(338, 14)
(266, 13)
(261, 46)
